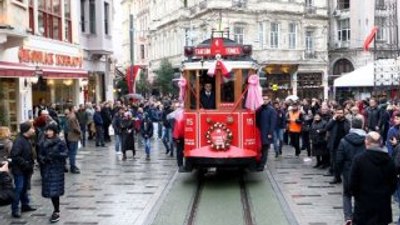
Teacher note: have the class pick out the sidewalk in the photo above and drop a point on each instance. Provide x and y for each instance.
(307, 191)
(108, 190)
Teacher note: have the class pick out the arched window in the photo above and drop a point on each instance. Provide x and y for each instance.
(342, 66)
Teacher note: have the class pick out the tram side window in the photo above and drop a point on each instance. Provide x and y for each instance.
(192, 89)
(228, 89)
(207, 94)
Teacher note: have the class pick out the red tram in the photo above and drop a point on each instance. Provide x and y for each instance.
(219, 126)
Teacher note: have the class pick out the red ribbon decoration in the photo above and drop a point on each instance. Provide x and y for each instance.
(370, 38)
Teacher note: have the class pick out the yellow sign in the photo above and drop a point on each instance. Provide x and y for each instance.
(275, 87)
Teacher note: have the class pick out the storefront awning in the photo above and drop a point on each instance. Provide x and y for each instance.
(63, 73)
(361, 77)
(9, 69)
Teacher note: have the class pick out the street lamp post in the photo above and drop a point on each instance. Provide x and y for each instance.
(131, 42)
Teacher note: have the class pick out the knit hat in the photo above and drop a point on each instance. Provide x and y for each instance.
(25, 126)
(53, 127)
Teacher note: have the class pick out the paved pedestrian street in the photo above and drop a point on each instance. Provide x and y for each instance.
(108, 190)
(112, 191)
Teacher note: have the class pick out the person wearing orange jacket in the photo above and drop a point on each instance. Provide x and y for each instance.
(295, 120)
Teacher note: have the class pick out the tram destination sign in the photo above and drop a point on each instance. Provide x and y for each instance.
(208, 51)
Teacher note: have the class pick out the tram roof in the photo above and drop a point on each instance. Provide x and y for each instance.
(234, 64)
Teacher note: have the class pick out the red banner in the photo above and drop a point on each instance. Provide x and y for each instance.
(370, 38)
(131, 74)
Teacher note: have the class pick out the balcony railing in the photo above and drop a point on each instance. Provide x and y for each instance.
(309, 9)
(310, 54)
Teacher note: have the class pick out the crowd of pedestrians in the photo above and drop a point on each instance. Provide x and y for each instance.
(356, 141)
(51, 142)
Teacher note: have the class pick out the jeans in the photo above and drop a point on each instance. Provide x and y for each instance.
(99, 135)
(179, 151)
(347, 205)
(278, 140)
(159, 130)
(72, 151)
(295, 142)
(83, 131)
(118, 142)
(167, 140)
(21, 192)
(147, 145)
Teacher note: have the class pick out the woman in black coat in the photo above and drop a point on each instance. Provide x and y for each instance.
(318, 138)
(51, 157)
(127, 134)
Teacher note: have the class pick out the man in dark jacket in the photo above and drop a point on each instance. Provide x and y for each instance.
(22, 168)
(373, 180)
(337, 127)
(373, 116)
(266, 122)
(6, 189)
(279, 128)
(98, 122)
(117, 126)
(107, 120)
(207, 97)
(83, 118)
(350, 146)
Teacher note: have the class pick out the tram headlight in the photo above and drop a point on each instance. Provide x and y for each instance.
(189, 51)
(247, 49)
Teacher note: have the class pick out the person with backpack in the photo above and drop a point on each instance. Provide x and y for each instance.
(350, 146)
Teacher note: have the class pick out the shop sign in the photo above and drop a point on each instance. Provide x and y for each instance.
(47, 58)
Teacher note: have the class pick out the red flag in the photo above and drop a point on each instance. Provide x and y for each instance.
(370, 38)
(131, 74)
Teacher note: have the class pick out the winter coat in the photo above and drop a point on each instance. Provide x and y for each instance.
(318, 138)
(83, 118)
(6, 189)
(51, 157)
(350, 146)
(128, 135)
(117, 124)
(74, 130)
(392, 133)
(98, 120)
(22, 156)
(106, 116)
(207, 102)
(373, 118)
(332, 128)
(266, 118)
(280, 119)
(372, 182)
(6, 149)
(147, 128)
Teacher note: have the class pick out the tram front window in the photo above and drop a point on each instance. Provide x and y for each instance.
(207, 97)
(228, 91)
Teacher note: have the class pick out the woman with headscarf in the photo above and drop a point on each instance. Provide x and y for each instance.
(52, 155)
(127, 135)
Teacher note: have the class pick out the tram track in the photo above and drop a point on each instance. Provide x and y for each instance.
(200, 193)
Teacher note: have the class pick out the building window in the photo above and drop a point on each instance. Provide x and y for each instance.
(106, 18)
(31, 19)
(309, 41)
(92, 16)
(343, 4)
(274, 35)
(238, 32)
(342, 66)
(261, 34)
(380, 4)
(380, 22)
(344, 30)
(83, 15)
(292, 35)
(67, 14)
(309, 3)
(142, 52)
(50, 18)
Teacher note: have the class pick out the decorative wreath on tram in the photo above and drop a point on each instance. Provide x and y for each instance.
(219, 136)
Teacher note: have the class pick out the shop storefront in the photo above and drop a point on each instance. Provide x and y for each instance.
(40, 69)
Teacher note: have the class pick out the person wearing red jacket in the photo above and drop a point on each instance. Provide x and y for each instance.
(178, 136)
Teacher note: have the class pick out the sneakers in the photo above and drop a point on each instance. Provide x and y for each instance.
(348, 222)
(147, 157)
(124, 157)
(55, 217)
(16, 215)
(119, 153)
(27, 208)
(75, 170)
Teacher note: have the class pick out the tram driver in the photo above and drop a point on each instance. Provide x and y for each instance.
(207, 97)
